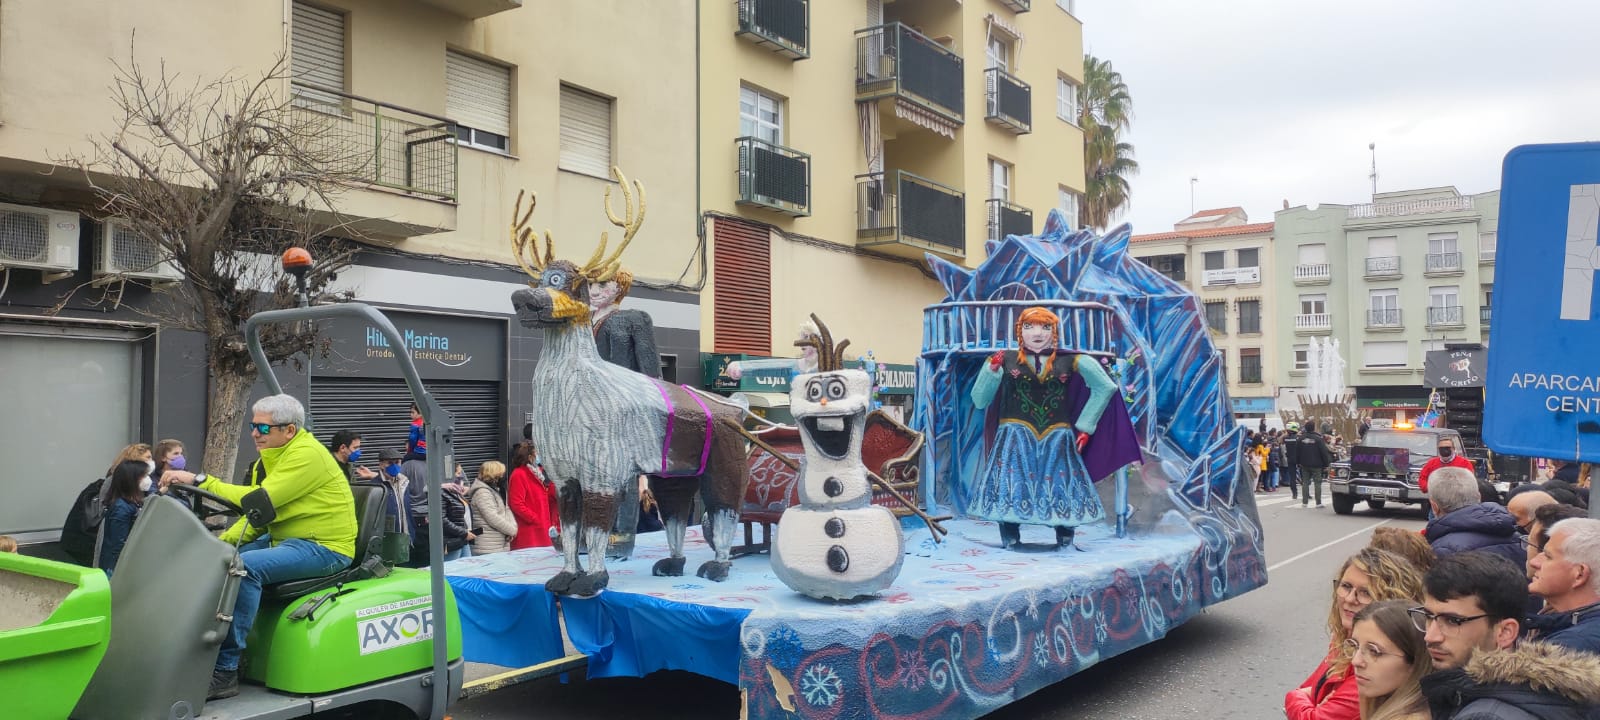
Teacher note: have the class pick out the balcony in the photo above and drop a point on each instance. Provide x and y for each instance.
(474, 9)
(774, 177)
(1313, 274)
(782, 26)
(404, 156)
(1410, 207)
(1384, 319)
(1010, 102)
(894, 61)
(1008, 219)
(1443, 264)
(1313, 324)
(1383, 267)
(1486, 246)
(1232, 276)
(1018, 6)
(1445, 316)
(1483, 315)
(904, 215)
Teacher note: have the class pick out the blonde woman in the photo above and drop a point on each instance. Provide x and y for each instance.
(1389, 657)
(490, 510)
(1367, 577)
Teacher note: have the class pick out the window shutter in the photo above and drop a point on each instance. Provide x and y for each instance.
(585, 132)
(1384, 354)
(478, 93)
(742, 255)
(317, 49)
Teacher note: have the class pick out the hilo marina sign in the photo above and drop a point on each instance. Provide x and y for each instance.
(423, 346)
(444, 347)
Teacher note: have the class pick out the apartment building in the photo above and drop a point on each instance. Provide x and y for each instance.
(1409, 272)
(842, 142)
(1228, 262)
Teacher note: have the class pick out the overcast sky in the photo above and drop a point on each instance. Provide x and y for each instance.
(1273, 100)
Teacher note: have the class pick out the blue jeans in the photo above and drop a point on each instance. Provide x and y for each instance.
(292, 559)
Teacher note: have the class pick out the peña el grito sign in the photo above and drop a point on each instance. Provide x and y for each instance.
(443, 347)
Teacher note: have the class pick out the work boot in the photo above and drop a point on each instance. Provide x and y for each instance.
(224, 684)
(1064, 538)
(1010, 535)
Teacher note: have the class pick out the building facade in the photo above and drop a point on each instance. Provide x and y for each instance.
(1228, 262)
(1410, 272)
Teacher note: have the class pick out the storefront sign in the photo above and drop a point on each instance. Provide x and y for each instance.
(1263, 406)
(444, 347)
(892, 378)
(1455, 368)
(1392, 404)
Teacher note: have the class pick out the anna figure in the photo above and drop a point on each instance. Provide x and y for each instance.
(1061, 427)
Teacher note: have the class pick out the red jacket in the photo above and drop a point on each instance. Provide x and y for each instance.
(533, 501)
(1434, 463)
(1336, 699)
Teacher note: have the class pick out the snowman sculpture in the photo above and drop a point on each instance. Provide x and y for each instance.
(835, 545)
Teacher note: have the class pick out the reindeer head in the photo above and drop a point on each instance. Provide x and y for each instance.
(559, 292)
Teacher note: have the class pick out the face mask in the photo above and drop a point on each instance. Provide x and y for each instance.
(392, 471)
(355, 455)
(1446, 451)
(144, 484)
(150, 466)
(177, 463)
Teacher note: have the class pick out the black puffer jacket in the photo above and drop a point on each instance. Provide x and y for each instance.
(1485, 526)
(1534, 681)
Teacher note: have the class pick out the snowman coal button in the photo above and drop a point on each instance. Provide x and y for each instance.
(838, 559)
(834, 527)
(833, 487)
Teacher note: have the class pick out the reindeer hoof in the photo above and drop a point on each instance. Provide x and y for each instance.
(668, 567)
(590, 584)
(561, 584)
(715, 571)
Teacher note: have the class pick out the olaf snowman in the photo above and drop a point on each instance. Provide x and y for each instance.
(834, 545)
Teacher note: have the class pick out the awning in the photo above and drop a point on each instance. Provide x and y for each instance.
(922, 118)
(762, 399)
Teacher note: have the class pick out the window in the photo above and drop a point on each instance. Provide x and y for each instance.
(760, 116)
(1214, 260)
(1248, 257)
(1313, 304)
(478, 98)
(1383, 307)
(316, 49)
(1388, 353)
(1441, 243)
(998, 53)
(1250, 365)
(1217, 316)
(1382, 247)
(1067, 203)
(1429, 346)
(585, 132)
(1443, 296)
(1249, 316)
(999, 180)
(1071, 6)
(1302, 357)
(1313, 254)
(1067, 99)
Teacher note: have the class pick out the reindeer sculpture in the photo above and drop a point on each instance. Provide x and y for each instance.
(599, 425)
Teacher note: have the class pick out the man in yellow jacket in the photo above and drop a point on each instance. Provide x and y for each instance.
(313, 535)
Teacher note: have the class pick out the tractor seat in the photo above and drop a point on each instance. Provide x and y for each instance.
(371, 523)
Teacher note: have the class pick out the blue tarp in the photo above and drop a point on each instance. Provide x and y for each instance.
(504, 624)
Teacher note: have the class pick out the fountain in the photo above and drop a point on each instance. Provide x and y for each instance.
(1326, 399)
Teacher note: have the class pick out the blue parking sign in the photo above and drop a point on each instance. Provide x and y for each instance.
(1542, 396)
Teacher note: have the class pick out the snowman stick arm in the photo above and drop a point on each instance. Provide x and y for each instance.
(758, 442)
(932, 522)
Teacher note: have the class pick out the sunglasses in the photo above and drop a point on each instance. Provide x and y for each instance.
(266, 428)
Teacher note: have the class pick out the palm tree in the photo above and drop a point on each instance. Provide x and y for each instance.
(1105, 112)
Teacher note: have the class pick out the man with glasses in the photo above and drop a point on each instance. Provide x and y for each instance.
(1566, 573)
(1538, 535)
(313, 535)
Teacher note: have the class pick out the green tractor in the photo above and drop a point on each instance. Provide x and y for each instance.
(370, 641)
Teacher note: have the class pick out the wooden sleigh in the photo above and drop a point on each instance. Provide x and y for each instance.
(889, 449)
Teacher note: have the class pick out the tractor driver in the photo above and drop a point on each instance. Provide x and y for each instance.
(313, 534)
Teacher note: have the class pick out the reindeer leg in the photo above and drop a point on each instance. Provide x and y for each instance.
(569, 503)
(599, 508)
(676, 499)
(722, 488)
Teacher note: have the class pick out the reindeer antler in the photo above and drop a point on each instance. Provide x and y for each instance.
(602, 267)
(523, 238)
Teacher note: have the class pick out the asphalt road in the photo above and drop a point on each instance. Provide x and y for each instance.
(1235, 660)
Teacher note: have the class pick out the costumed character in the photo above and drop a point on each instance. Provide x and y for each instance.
(806, 363)
(626, 338)
(836, 544)
(599, 426)
(1058, 432)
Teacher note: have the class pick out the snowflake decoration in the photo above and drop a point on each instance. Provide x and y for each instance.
(821, 686)
(929, 544)
(1041, 649)
(974, 552)
(912, 671)
(784, 647)
(687, 586)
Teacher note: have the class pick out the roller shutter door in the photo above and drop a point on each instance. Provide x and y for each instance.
(742, 295)
(380, 409)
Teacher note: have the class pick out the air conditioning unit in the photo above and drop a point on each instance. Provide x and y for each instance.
(128, 254)
(38, 239)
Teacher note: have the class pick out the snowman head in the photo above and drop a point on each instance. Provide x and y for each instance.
(830, 405)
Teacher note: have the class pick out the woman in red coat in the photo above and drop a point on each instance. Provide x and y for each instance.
(532, 499)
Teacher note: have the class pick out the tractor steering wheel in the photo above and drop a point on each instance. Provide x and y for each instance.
(202, 503)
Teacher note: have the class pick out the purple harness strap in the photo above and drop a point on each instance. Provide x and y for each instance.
(666, 442)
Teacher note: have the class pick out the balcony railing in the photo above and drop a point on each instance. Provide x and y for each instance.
(1445, 316)
(1313, 322)
(1008, 219)
(1020, 6)
(1486, 246)
(1010, 101)
(1383, 266)
(775, 177)
(377, 143)
(1313, 274)
(895, 61)
(1410, 207)
(781, 25)
(902, 207)
(1383, 318)
(1483, 315)
(1449, 262)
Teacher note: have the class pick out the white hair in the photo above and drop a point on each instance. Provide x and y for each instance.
(282, 410)
(1582, 546)
(1453, 488)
